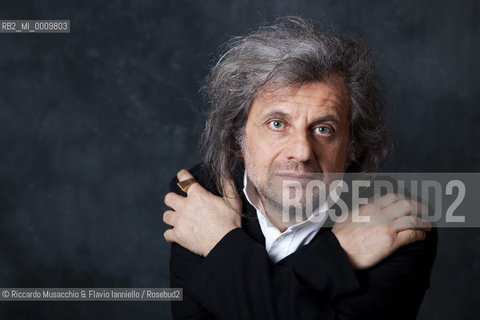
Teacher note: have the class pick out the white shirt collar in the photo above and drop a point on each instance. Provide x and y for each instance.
(280, 244)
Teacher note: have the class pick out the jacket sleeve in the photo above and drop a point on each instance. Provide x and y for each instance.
(247, 285)
(238, 281)
(392, 289)
(182, 265)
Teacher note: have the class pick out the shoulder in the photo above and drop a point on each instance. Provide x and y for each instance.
(410, 266)
(201, 174)
(420, 254)
(205, 177)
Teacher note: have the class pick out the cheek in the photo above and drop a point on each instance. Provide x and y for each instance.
(260, 155)
(332, 157)
(261, 144)
(341, 156)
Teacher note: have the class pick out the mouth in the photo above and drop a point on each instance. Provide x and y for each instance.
(301, 177)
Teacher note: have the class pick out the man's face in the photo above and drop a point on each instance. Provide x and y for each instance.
(293, 133)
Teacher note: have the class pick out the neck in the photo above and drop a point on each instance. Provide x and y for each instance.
(282, 221)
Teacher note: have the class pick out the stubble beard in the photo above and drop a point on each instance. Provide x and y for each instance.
(271, 190)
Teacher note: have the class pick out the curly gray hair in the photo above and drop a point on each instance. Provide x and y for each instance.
(288, 52)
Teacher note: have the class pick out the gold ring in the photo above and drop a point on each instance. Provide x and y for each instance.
(185, 184)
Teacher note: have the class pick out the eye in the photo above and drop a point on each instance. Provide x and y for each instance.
(276, 124)
(324, 131)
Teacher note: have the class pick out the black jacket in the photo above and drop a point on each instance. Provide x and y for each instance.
(238, 281)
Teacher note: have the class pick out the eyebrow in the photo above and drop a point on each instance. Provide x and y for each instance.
(280, 114)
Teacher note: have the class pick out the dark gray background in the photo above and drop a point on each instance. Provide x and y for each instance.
(93, 124)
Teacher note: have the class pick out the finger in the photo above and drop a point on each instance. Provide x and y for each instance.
(173, 200)
(386, 200)
(183, 175)
(170, 217)
(169, 235)
(419, 209)
(409, 236)
(403, 208)
(410, 222)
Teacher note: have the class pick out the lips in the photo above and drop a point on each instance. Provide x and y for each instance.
(297, 176)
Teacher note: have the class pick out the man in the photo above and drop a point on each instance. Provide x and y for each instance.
(290, 101)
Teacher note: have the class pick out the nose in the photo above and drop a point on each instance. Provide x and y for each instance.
(300, 147)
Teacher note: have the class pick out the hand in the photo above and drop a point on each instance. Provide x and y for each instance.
(201, 219)
(390, 227)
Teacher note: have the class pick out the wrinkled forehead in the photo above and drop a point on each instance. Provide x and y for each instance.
(331, 93)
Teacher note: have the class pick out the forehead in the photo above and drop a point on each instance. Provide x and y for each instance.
(329, 96)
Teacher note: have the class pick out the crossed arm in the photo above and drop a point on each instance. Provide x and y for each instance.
(236, 279)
